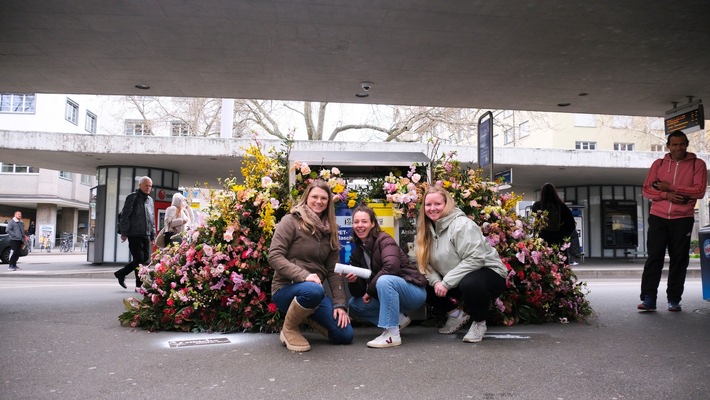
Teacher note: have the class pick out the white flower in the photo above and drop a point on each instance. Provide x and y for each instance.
(266, 182)
(416, 178)
(335, 171)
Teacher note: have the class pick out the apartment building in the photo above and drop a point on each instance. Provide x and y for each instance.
(54, 202)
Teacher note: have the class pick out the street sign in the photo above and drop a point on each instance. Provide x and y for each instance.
(506, 176)
(485, 142)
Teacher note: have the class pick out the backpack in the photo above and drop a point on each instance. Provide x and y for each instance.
(118, 222)
(554, 219)
(118, 217)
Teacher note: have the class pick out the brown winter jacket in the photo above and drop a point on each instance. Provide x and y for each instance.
(295, 253)
(387, 258)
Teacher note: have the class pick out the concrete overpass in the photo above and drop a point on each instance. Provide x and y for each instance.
(200, 160)
(632, 57)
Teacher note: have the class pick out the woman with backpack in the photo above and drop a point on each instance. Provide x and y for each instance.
(560, 221)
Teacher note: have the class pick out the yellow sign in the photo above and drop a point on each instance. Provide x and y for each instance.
(385, 216)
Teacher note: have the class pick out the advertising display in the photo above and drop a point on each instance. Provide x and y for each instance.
(344, 219)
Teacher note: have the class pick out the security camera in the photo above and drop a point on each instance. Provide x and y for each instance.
(366, 86)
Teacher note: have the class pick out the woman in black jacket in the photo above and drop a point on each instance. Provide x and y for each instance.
(560, 221)
(394, 286)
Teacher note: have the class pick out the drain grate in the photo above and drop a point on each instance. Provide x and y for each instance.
(197, 342)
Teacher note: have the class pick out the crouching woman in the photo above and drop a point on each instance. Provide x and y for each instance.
(394, 287)
(303, 253)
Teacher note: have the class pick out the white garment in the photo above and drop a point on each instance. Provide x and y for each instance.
(175, 223)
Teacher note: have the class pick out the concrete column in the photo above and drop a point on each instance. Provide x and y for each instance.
(227, 118)
(46, 224)
(68, 221)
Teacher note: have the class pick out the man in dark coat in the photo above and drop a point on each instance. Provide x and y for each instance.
(137, 224)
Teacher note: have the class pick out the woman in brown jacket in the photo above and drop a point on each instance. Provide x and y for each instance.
(303, 253)
(395, 285)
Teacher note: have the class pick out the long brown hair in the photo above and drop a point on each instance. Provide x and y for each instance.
(307, 223)
(376, 230)
(424, 236)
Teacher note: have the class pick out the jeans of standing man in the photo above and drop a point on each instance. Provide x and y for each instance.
(140, 249)
(477, 290)
(312, 295)
(673, 234)
(16, 247)
(395, 295)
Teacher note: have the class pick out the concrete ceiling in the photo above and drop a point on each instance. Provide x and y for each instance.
(632, 57)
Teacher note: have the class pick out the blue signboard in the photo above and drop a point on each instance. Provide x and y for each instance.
(485, 142)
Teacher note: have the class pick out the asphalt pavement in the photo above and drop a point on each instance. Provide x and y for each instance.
(61, 340)
(75, 264)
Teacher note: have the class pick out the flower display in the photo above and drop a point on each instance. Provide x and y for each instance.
(541, 286)
(218, 278)
(403, 192)
(343, 194)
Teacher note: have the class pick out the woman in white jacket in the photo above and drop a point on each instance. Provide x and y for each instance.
(178, 217)
(459, 263)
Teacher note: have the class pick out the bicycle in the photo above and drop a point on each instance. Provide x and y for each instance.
(67, 243)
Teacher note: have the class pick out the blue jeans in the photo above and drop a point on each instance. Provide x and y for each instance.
(395, 295)
(312, 295)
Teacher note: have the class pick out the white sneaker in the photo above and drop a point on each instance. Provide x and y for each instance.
(386, 339)
(476, 332)
(574, 263)
(453, 324)
(404, 321)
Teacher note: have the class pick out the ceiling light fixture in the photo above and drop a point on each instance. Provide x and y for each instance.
(142, 86)
(563, 104)
(362, 95)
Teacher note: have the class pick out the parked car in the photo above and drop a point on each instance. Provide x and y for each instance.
(5, 246)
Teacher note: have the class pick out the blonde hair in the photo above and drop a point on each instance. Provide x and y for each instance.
(424, 235)
(306, 222)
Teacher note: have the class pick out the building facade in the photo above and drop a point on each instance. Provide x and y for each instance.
(61, 199)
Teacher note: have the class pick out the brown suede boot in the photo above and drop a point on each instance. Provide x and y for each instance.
(317, 327)
(291, 330)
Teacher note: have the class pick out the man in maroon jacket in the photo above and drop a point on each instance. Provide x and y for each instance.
(673, 185)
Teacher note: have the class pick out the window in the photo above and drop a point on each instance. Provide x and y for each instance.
(624, 146)
(658, 147)
(71, 113)
(508, 136)
(18, 169)
(65, 175)
(585, 120)
(524, 129)
(507, 113)
(658, 124)
(137, 128)
(621, 121)
(87, 179)
(178, 128)
(585, 145)
(17, 103)
(90, 124)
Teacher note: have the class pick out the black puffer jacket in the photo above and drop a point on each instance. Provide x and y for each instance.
(387, 258)
(138, 215)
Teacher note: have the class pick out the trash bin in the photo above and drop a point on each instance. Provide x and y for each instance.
(704, 242)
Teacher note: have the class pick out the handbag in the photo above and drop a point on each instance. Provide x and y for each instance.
(160, 239)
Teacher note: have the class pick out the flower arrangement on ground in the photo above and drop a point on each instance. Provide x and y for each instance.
(403, 192)
(541, 286)
(343, 194)
(218, 278)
